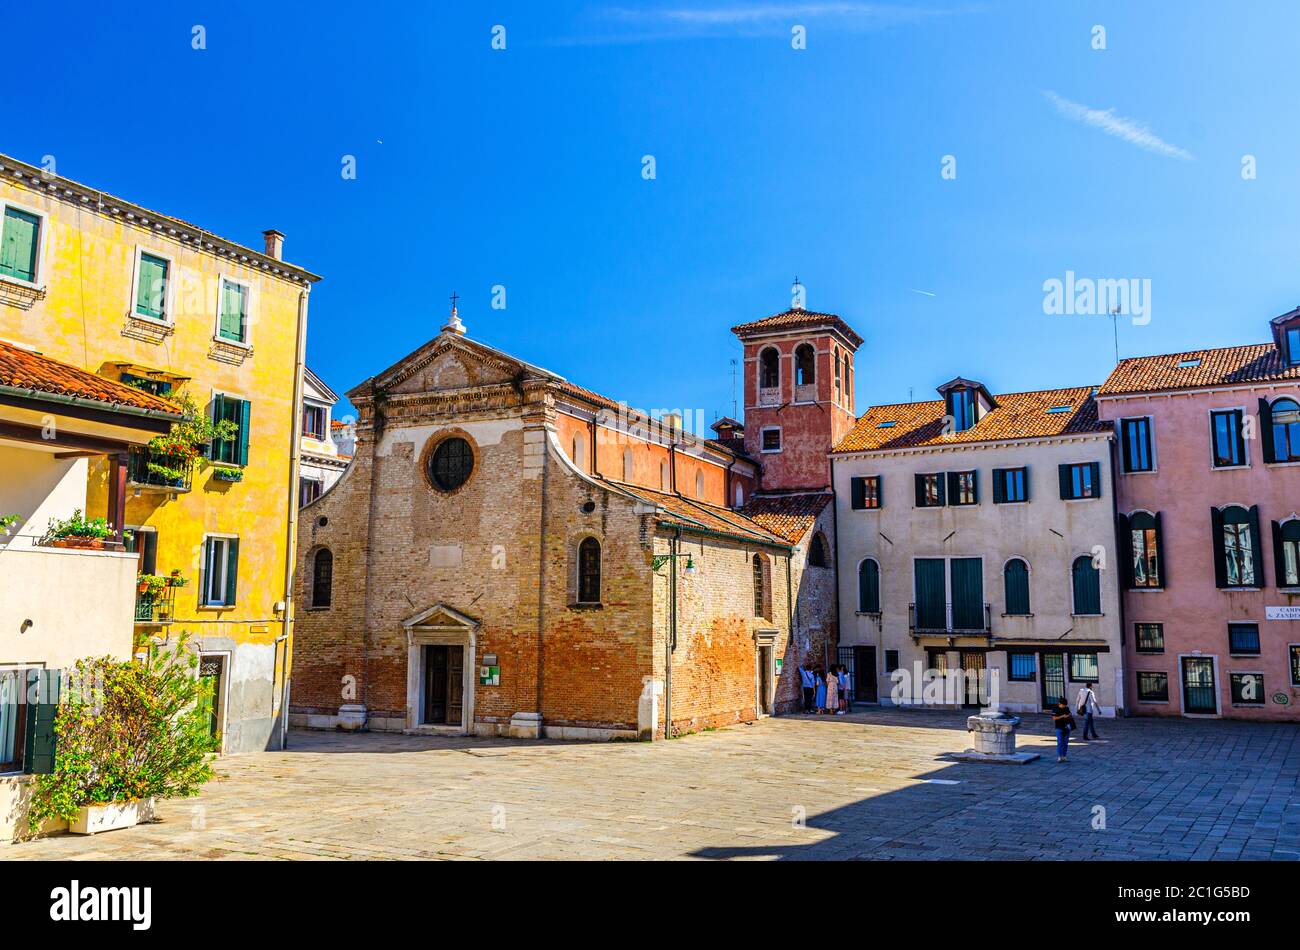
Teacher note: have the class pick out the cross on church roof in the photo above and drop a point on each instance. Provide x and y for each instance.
(453, 323)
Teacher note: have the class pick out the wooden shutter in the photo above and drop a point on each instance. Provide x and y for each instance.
(869, 587)
(999, 485)
(245, 414)
(930, 594)
(19, 240)
(1016, 584)
(1063, 471)
(967, 577)
(1124, 535)
(858, 490)
(218, 413)
(943, 498)
(1256, 546)
(233, 307)
(880, 491)
(920, 490)
(1279, 559)
(232, 570)
(153, 275)
(975, 486)
(1087, 587)
(1216, 541)
(40, 746)
(1096, 479)
(954, 487)
(1025, 477)
(1266, 429)
(1162, 569)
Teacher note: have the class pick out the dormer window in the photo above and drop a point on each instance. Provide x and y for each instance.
(1192, 362)
(966, 402)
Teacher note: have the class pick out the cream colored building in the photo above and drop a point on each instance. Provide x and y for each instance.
(322, 463)
(977, 535)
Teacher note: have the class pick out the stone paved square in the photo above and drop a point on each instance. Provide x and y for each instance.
(872, 785)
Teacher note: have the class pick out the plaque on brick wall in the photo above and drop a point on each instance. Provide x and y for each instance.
(489, 676)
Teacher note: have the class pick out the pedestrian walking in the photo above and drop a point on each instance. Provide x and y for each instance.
(1086, 705)
(808, 680)
(1063, 722)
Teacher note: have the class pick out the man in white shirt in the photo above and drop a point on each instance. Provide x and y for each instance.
(809, 681)
(1087, 706)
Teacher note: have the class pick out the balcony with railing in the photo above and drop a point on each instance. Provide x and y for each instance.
(966, 620)
(140, 475)
(155, 607)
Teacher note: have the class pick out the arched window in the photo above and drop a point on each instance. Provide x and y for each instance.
(1286, 431)
(699, 485)
(579, 455)
(762, 587)
(589, 571)
(1287, 553)
(1015, 579)
(869, 587)
(805, 365)
(1237, 557)
(818, 555)
(1087, 586)
(628, 467)
(1145, 539)
(322, 578)
(769, 372)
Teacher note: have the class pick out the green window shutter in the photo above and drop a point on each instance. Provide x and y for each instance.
(999, 485)
(232, 570)
(218, 413)
(1016, 579)
(954, 492)
(869, 587)
(1162, 573)
(1266, 429)
(1125, 537)
(151, 287)
(880, 491)
(943, 498)
(930, 594)
(39, 753)
(859, 493)
(967, 577)
(1096, 478)
(1063, 472)
(975, 486)
(1216, 543)
(1087, 586)
(245, 414)
(19, 242)
(1279, 558)
(1025, 475)
(233, 311)
(920, 490)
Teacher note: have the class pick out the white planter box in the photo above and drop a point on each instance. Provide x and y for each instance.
(93, 819)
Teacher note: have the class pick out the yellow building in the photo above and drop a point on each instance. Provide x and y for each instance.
(136, 296)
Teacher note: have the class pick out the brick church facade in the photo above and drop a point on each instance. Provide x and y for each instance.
(512, 554)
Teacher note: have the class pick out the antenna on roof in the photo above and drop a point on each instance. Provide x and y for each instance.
(1114, 322)
(734, 414)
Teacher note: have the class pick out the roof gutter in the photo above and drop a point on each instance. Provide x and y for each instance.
(41, 395)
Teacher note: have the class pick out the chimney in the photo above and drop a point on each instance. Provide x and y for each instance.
(274, 244)
(671, 421)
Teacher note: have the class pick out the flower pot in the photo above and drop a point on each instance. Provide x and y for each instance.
(92, 819)
(84, 544)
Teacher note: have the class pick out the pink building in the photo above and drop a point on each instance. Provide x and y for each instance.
(1208, 489)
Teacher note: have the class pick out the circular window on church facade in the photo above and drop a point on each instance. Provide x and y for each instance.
(450, 464)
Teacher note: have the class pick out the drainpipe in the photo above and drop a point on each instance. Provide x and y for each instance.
(291, 533)
(1113, 453)
(672, 466)
(835, 527)
(594, 472)
(671, 642)
(789, 603)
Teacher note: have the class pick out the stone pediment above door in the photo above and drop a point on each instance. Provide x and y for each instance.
(440, 616)
(450, 362)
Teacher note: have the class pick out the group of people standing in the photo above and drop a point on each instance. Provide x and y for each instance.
(826, 693)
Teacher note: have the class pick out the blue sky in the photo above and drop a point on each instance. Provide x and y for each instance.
(523, 168)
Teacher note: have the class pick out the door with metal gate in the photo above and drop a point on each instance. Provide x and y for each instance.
(861, 665)
(974, 691)
(1198, 685)
(1053, 678)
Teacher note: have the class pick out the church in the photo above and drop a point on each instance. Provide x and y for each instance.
(512, 554)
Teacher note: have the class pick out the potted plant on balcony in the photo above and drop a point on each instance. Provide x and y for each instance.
(7, 522)
(172, 456)
(223, 473)
(77, 532)
(126, 734)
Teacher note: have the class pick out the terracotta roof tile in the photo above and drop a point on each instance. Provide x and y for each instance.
(690, 514)
(795, 319)
(1229, 365)
(24, 369)
(1017, 416)
(790, 516)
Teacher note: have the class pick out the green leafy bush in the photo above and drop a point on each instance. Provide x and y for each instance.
(78, 526)
(126, 731)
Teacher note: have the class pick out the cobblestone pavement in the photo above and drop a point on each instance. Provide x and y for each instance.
(872, 785)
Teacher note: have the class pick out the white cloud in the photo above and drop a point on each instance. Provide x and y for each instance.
(1130, 130)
